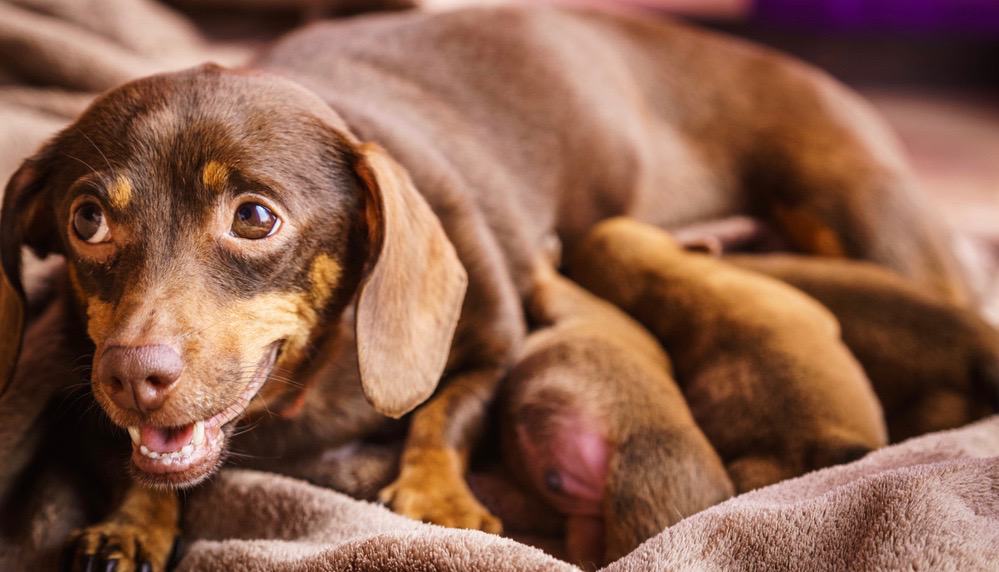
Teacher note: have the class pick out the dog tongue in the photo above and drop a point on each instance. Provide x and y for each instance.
(165, 439)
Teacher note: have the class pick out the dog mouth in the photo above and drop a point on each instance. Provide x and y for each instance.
(186, 454)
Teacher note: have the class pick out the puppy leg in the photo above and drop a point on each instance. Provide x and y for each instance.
(584, 541)
(137, 537)
(753, 472)
(839, 185)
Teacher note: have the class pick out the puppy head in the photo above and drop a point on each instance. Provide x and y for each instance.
(605, 261)
(215, 223)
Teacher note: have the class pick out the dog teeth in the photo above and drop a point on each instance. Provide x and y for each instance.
(199, 434)
(181, 456)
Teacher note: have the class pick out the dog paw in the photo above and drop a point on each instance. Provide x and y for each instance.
(119, 547)
(438, 494)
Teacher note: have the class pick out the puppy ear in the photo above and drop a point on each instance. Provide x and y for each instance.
(411, 294)
(22, 222)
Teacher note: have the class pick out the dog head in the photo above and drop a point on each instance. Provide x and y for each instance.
(215, 223)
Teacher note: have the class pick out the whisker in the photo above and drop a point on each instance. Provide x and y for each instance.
(94, 145)
(86, 164)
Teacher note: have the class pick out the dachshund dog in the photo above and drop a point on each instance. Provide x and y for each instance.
(594, 424)
(217, 223)
(933, 365)
(762, 365)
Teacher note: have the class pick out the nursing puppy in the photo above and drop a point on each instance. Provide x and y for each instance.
(933, 365)
(761, 364)
(594, 423)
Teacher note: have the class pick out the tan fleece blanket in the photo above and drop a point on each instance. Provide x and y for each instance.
(931, 503)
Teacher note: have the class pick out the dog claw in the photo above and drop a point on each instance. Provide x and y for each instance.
(120, 547)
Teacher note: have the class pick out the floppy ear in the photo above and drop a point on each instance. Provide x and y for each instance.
(11, 330)
(412, 291)
(19, 225)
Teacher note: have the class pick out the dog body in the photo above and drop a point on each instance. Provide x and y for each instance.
(933, 365)
(762, 365)
(593, 422)
(549, 119)
(218, 223)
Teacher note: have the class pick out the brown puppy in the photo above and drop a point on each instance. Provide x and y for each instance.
(761, 364)
(216, 223)
(933, 365)
(594, 423)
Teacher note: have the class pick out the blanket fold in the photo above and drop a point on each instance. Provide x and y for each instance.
(929, 503)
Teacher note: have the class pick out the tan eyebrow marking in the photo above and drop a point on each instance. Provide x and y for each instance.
(120, 192)
(324, 274)
(215, 175)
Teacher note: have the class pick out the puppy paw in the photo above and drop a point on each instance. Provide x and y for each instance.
(119, 547)
(436, 492)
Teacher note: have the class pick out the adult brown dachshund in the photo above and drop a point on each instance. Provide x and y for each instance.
(217, 222)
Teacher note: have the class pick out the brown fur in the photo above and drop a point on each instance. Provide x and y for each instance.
(590, 359)
(933, 365)
(500, 126)
(762, 365)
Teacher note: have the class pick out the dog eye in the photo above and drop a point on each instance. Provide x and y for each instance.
(254, 221)
(90, 224)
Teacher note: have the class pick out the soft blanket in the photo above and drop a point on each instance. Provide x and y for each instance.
(931, 503)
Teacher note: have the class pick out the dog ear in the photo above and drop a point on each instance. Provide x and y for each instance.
(22, 222)
(412, 291)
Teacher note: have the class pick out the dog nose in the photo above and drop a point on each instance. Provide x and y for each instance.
(139, 378)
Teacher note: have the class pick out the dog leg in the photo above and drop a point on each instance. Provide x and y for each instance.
(431, 485)
(837, 184)
(137, 537)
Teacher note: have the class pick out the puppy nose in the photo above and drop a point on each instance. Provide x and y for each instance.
(139, 378)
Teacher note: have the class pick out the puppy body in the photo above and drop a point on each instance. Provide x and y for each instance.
(594, 423)
(762, 365)
(933, 365)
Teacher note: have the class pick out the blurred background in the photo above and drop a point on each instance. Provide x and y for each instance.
(930, 66)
